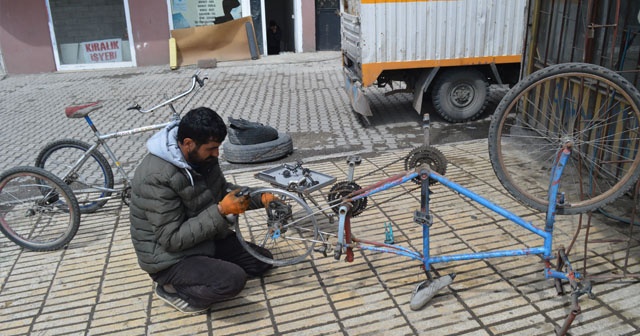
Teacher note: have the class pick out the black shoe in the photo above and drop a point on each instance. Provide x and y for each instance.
(177, 302)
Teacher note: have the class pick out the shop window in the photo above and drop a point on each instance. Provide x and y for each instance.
(194, 13)
(90, 32)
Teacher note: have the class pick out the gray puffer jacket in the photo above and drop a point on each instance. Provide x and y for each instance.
(173, 210)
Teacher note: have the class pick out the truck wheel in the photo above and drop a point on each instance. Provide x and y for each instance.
(460, 95)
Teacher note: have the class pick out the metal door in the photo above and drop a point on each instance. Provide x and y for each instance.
(327, 25)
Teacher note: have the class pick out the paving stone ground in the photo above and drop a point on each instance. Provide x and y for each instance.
(94, 286)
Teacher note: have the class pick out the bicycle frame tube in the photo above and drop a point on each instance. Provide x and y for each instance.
(102, 137)
(427, 259)
(80, 161)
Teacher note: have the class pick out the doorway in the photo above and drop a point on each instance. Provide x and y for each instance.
(328, 25)
(282, 13)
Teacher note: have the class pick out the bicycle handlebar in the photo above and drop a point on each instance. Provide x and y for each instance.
(194, 79)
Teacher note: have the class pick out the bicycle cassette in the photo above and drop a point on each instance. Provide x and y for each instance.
(426, 155)
(344, 189)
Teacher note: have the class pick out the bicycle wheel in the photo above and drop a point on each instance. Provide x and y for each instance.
(591, 107)
(37, 210)
(91, 182)
(287, 228)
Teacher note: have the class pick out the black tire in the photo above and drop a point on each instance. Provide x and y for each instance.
(591, 107)
(460, 95)
(244, 132)
(289, 235)
(37, 210)
(89, 181)
(262, 152)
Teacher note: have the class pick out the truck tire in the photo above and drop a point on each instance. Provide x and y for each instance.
(460, 95)
(261, 152)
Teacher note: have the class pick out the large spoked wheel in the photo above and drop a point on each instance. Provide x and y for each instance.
(37, 210)
(594, 109)
(287, 228)
(91, 182)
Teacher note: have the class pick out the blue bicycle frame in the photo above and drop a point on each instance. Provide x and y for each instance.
(422, 217)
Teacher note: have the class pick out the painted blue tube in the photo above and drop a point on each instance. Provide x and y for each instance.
(426, 252)
(483, 201)
(560, 275)
(88, 120)
(486, 255)
(426, 248)
(410, 254)
(386, 186)
(390, 248)
(554, 185)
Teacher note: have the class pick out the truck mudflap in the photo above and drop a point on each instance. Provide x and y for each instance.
(425, 79)
(358, 100)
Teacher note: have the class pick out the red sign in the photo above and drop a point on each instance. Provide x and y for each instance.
(102, 51)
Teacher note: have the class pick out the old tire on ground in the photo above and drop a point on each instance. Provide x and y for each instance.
(261, 152)
(244, 132)
(460, 95)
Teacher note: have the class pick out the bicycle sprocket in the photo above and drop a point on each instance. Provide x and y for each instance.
(426, 155)
(344, 189)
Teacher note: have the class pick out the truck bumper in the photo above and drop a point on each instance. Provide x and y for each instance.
(354, 91)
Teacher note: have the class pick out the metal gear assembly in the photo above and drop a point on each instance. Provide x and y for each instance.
(426, 155)
(344, 189)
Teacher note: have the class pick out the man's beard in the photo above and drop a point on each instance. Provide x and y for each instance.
(199, 164)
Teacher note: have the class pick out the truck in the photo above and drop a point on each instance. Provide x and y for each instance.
(448, 50)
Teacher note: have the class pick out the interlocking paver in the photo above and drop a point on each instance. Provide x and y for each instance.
(95, 286)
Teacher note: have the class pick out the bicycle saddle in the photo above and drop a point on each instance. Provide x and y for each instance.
(81, 111)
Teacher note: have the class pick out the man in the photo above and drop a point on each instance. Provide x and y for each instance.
(181, 216)
(274, 36)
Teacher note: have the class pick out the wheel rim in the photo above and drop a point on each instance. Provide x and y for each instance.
(602, 124)
(289, 237)
(27, 217)
(88, 183)
(462, 94)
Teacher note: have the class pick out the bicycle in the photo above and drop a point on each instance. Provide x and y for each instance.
(292, 228)
(38, 211)
(85, 169)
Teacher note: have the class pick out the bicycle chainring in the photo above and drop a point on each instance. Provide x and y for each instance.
(344, 189)
(426, 155)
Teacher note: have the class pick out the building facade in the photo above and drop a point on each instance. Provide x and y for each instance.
(57, 35)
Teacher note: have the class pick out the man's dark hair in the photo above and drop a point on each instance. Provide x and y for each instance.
(202, 125)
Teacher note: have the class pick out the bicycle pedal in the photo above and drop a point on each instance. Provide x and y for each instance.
(426, 290)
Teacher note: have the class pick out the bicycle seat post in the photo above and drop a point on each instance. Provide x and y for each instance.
(352, 161)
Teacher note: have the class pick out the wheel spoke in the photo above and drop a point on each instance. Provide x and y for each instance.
(30, 213)
(590, 107)
(286, 228)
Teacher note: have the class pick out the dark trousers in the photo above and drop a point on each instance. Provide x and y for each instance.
(202, 281)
